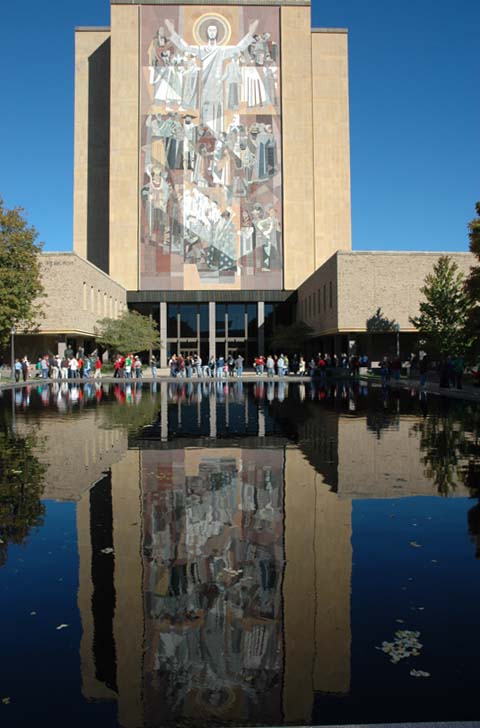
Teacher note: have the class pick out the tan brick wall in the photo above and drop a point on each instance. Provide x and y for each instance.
(124, 156)
(392, 281)
(297, 146)
(315, 304)
(78, 294)
(86, 43)
(331, 137)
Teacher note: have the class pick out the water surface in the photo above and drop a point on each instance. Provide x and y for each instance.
(227, 554)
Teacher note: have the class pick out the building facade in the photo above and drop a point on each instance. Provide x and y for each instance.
(211, 163)
(361, 302)
(77, 295)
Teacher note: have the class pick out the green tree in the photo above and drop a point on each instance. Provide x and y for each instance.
(472, 283)
(444, 313)
(20, 282)
(290, 338)
(129, 333)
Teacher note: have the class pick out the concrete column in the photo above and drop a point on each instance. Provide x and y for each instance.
(163, 334)
(261, 327)
(211, 329)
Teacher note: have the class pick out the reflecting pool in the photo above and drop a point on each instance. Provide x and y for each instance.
(223, 554)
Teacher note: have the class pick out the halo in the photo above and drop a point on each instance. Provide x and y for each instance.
(201, 24)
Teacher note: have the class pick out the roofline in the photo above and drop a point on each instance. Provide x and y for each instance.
(92, 28)
(330, 30)
(84, 260)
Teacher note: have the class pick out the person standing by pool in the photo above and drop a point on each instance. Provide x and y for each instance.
(73, 368)
(239, 366)
(98, 368)
(301, 367)
(25, 366)
(128, 366)
(212, 366)
(153, 366)
(137, 365)
(17, 369)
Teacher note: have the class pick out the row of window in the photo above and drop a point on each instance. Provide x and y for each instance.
(100, 303)
(232, 320)
(311, 305)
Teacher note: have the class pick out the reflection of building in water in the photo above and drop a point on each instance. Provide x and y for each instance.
(227, 595)
(316, 588)
(110, 597)
(213, 564)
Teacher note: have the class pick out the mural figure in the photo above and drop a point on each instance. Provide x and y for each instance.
(211, 195)
(212, 57)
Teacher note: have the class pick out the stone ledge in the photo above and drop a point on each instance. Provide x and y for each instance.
(297, 3)
(330, 30)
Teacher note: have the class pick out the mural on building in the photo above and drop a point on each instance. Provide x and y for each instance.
(210, 124)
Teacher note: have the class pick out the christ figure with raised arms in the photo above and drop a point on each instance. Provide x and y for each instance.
(212, 56)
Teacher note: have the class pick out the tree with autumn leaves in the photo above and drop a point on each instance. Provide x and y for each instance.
(20, 282)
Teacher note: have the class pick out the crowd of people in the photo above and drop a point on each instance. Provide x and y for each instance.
(281, 365)
(68, 366)
(80, 366)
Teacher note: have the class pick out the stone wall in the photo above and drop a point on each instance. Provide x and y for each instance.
(392, 281)
(361, 282)
(331, 142)
(318, 299)
(78, 295)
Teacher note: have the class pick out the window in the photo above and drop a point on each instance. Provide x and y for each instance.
(319, 307)
(324, 296)
(269, 316)
(252, 319)
(172, 327)
(84, 299)
(92, 299)
(220, 320)
(236, 320)
(330, 294)
(204, 325)
(188, 321)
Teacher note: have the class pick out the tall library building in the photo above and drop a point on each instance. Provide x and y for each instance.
(212, 178)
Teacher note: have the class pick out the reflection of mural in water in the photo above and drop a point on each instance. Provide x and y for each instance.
(213, 564)
(211, 138)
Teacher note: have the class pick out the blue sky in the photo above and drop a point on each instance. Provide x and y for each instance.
(414, 116)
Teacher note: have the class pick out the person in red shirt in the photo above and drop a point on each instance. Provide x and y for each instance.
(98, 368)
